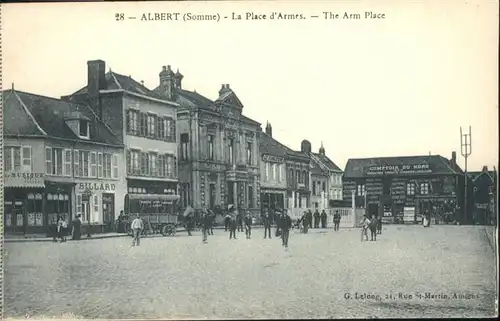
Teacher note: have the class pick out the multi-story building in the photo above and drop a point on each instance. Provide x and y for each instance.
(273, 183)
(401, 189)
(298, 166)
(326, 178)
(60, 160)
(218, 150)
(145, 123)
(484, 195)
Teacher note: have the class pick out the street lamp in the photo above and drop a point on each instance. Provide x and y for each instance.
(86, 200)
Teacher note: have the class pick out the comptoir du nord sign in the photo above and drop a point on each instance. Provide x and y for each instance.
(399, 169)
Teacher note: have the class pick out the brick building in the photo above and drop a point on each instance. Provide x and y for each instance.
(484, 195)
(218, 147)
(54, 151)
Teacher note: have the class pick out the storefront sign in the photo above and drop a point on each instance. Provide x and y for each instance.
(24, 180)
(399, 169)
(97, 186)
(272, 158)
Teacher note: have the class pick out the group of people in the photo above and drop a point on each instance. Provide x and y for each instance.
(60, 229)
(372, 223)
(283, 225)
(306, 221)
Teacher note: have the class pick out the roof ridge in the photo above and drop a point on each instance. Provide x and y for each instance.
(52, 98)
(116, 80)
(29, 113)
(447, 163)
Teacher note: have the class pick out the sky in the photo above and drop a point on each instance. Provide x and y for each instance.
(398, 86)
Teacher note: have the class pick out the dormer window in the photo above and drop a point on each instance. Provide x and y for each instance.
(83, 128)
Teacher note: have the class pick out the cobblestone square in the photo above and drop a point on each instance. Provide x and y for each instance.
(325, 274)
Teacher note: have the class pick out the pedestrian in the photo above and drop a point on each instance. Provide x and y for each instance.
(323, 219)
(267, 224)
(232, 227)
(227, 219)
(239, 221)
(137, 226)
(121, 227)
(248, 225)
(310, 219)
(305, 222)
(76, 228)
(189, 223)
(278, 223)
(336, 221)
(286, 224)
(316, 219)
(206, 222)
(365, 223)
(379, 226)
(64, 230)
(60, 229)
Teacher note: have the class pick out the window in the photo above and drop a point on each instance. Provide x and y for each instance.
(151, 125)
(184, 147)
(297, 176)
(84, 163)
(161, 165)
(279, 172)
(152, 164)
(249, 154)
(250, 197)
(424, 188)
(76, 160)
(93, 164)
(67, 162)
(79, 208)
(133, 162)
(169, 168)
(231, 150)
(211, 147)
(142, 124)
(324, 187)
(314, 188)
(267, 171)
(48, 160)
(17, 158)
(114, 166)
(100, 162)
(84, 128)
(96, 205)
(107, 166)
(161, 128)
(169, 129)
(145, 164)
(132, 122)
(410, 189)
(361, 190)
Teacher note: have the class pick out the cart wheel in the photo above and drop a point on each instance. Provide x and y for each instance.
(164, 230)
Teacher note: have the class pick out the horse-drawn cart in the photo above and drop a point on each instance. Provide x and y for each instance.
(157, 212)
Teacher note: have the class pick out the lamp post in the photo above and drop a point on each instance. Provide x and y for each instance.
(86, 200)
(466, 150)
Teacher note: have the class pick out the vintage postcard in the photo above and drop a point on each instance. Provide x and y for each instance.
(249, 159)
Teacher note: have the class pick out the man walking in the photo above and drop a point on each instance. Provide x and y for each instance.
(286, 225)
(206, 222)
(323, 219)
(232, 227)
(305, 222)
(227, 219)
(248, 225)
(267, 224)
(211, 216)
(336, 221)
(137, 227)
(239, 220)
(316, 219)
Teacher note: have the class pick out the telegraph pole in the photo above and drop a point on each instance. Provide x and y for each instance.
(466, 150)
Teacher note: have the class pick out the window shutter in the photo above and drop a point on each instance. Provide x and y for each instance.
(174, 166)
(174, 135)
(129, 128)
(143, 124)
(129, 163)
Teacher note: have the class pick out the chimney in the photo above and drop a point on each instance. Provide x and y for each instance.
(269, 130)
(178, 79)
(305, 146)
(224, 89)
(167, 82)
(453, 158)
(322, 150)
(96, 81)
(485, 169)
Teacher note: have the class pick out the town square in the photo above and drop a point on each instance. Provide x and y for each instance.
(168, 161)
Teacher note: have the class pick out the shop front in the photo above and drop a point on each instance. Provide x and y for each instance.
(272, 198)
(24, 203)
(96, 203)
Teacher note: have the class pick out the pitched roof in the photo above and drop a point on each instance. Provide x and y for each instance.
(48, 114)
(440, 165)
(19, 119)
(475, 175)
(328, 162)
(271, 146)
(230, 98)
(115, 81)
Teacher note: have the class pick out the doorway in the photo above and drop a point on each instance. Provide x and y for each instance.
(108, 212)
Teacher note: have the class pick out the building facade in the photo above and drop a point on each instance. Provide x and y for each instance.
(484, 196)
(326, 178)
(273, 190)
(298, 169)
(402, 189)
(219, 162)
(145, 124)
(60, 161)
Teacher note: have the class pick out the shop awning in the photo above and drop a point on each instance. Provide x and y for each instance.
(153, 197)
